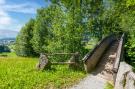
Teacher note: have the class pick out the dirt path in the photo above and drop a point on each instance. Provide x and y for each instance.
(103, 72)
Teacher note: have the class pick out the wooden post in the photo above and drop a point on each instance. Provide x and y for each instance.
(44, 63)
(74, 58)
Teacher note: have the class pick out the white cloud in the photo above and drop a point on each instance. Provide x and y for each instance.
(7, 22)
(29, 8)
(16, 27)
(5, 19)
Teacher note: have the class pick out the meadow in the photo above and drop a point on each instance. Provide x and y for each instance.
(21, 73)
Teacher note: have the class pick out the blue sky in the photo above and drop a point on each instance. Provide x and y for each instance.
(15, 13)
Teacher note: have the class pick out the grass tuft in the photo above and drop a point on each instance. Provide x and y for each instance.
(108, 86)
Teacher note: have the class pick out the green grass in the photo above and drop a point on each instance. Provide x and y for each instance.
(91, 44)
(20, 73)
(9, 54)
(109, 86)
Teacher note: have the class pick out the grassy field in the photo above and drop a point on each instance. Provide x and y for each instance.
(21, 73)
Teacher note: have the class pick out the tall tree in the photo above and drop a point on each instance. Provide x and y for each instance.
(23, 40)
(41, 29)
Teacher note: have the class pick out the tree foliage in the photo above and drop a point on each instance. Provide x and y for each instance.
(23, 45)
(64, 25)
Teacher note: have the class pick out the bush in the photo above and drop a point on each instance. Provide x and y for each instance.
(130, 49)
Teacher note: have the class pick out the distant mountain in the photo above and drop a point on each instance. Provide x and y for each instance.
(7, 38)
(8, 34)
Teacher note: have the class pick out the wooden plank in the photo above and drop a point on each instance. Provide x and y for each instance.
(51, 54)
(62, 63)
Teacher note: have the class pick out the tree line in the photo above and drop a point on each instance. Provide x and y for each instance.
(64, 24)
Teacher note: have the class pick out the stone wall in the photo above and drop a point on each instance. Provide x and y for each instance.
(92, 58)
(125, 77)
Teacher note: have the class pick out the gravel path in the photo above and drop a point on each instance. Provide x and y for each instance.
(103, 72)
(91, 82)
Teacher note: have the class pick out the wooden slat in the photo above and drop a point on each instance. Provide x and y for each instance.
(50, 54)
(62, 63)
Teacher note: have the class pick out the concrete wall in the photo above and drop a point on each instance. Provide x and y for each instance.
(92, 58)
(119, 57)
(125, 77)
